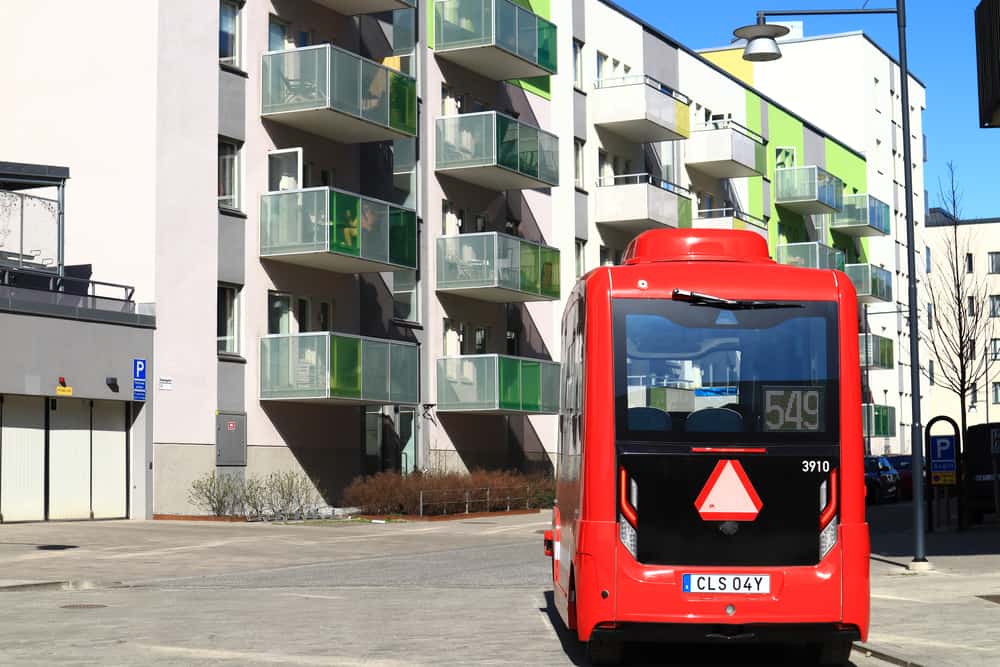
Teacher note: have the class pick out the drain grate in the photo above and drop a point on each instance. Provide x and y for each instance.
(995, 599)
(83, 605)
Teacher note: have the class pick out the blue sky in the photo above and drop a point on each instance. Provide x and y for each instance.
(942, 53)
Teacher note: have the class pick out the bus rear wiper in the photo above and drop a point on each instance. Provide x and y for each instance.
(698, 299)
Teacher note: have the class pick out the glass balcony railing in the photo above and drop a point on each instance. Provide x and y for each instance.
(497, 267)
(878, 421)
(523, 44)
(862, 215)
(810, 255)
(335, 93)
(340, 367)
(808, 190)
(497, 383)
(873, 283)
(726, 149)
(337, 229)
(876, 352)
(636, 202)
(641, 109)
(731, 218)
(497, 151)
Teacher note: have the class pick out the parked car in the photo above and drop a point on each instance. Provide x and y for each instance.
(902, 464)
(881, 480)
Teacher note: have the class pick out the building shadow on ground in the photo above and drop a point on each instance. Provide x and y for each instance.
(891, 529)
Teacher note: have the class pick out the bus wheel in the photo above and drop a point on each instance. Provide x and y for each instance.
(605, 652)
(834, 652)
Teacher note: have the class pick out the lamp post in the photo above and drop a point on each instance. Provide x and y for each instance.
(762, 46)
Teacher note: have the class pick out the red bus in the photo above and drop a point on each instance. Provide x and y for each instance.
(710, 483)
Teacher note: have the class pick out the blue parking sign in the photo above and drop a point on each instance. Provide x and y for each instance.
(138, 379)
(138, 369)
(943, 453)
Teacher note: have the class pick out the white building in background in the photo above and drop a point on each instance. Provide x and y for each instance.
(849, 85)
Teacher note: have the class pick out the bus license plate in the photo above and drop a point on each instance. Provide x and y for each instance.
(752, 584)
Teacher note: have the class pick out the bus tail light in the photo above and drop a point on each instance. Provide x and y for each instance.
(628, 520)
(828, 523)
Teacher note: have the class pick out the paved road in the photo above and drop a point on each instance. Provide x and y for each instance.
(456, 593)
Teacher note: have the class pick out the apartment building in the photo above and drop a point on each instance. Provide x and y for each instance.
(870, 228)
(359, 218)
(978, 241)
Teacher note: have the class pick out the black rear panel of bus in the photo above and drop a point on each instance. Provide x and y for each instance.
(671, 530)
(691, 378)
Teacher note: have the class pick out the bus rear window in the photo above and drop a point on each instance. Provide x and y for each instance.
(691, 372)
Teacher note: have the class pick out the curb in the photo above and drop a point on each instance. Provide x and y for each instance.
(887, 657)
(35, 586)
(444, 517)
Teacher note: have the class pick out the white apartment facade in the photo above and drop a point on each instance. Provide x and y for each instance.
(404, 194)
(812, 72)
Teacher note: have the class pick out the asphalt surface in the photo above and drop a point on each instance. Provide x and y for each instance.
(455, 593)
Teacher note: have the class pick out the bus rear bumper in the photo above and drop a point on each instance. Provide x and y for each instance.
(715, 633)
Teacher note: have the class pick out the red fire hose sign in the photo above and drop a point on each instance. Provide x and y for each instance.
(728, 494)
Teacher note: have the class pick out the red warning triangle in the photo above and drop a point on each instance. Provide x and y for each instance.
(728, 494)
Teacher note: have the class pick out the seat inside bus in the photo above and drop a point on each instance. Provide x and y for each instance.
(718, 420)
(649, 419)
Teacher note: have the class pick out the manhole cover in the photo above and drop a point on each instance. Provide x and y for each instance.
(83, 605)
(995, 599)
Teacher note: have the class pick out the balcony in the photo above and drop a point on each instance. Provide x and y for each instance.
(810, 255)
(338, 368)
(329, 229)
(497, 152)
(355, 7)
(494, 38)
(726, 149)
(637, 202)
(729, 218)
(862, 215)
(873, 283)
(496, 267)
(641, 109)
(876, 352)
(808, 190)
(878, 421)
(497, 384)
(337, 94)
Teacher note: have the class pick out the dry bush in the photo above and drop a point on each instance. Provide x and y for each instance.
(449, 493)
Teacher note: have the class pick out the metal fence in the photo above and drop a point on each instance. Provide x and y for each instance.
(466, 501)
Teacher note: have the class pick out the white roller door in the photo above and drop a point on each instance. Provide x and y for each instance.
(108, 484)
(69, 458)
(22, 458)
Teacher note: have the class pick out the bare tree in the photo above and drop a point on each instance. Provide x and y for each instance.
(960, 308)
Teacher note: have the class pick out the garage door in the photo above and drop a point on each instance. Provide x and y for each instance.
(108, 462)
(69, 458)
(22, 458)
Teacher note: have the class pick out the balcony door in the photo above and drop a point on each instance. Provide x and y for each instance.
(389, 440)
(284, 169)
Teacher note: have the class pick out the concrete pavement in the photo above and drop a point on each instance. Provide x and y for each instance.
(455, 593)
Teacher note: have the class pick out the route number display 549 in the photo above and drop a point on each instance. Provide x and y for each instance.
(793, 409)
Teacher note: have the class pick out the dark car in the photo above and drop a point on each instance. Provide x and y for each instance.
(881, 480)
(902, 464)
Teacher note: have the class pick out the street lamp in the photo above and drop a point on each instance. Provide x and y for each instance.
(762, 46)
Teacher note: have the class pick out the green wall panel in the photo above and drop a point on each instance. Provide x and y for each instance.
(784, 131)
(755, 197)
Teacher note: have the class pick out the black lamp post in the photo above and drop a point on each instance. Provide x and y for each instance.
(762, 46)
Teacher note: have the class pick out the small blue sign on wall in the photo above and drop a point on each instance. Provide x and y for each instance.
(138, 379)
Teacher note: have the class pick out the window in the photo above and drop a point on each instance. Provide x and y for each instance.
(229, 33)
(325, 320)
(996, 393)
(578, 64)
(279, 313)
(404, 296)
(227, 330)
(973, 393)
(278, 35)
(602, 65)
(302, 311)
(229, 174)
(930, 371)
(971, 303)
(995, 349)
(578, 163)
(927, 258)
(968, 262)
(581, 247)
(930, 316)
(972, 349)
(994, 305)
(995, 262)
(784, 157)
